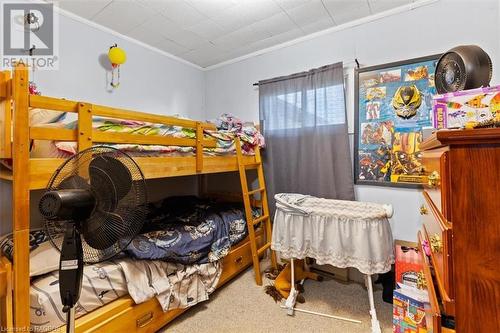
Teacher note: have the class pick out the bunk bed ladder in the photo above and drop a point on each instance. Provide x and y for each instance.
(264, 219)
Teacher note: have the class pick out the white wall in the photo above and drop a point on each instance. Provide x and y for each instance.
(423, 31)
(150, 82)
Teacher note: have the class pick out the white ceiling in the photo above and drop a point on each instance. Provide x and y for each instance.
(208, 32)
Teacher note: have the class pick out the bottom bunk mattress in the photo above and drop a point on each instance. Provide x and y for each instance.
(173, 285)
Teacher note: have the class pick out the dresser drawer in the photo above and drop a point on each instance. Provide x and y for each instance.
(436, 164)
(434, 313)
(438, 232)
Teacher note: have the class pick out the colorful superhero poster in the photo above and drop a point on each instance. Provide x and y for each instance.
(393, 103)
(377, 133)
(417, 73)
(374, 165)
(372, 110)
(406, 157)
(390, 76)
(376, 93)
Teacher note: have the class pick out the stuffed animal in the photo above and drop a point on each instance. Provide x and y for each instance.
(282, 283)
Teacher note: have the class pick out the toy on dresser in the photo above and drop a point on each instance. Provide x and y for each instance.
(467, 108)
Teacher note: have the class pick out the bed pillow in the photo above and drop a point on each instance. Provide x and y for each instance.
(44, 258)
(42, 116)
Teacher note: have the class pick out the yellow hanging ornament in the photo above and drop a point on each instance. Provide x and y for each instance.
(117, 57)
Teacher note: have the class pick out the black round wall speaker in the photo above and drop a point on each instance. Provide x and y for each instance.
(463, 67)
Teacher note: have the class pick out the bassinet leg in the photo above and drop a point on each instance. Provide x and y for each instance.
(373, 312)
(290, 301)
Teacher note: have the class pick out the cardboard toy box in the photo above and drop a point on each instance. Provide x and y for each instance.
(455, 109)
(408, 263)
(411, 311)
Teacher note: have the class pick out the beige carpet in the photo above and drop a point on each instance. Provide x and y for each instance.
(241, 306)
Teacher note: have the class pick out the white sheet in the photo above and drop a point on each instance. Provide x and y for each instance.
(336, 232)
(173, 285)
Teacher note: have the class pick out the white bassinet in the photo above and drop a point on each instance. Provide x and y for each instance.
(336, 232)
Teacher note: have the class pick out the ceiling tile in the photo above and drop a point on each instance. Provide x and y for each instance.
(257, 10)
(289, 4)
(205, 55)
(318, 25)
(260, 30)
(378, 6)
(170, 46)
(186, 38)
(207, 29)
(265, 43)
(237, 39)
(308, 13)
(86, 9)
(343, 11)
(287, 36)
(182, 13)
(212, 8)
(233, 18)
(123, 15)
(161, 25)
(141, 33)
(156, 5)
(276, 24)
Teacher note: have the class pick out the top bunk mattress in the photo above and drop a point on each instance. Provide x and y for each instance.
(228, 129)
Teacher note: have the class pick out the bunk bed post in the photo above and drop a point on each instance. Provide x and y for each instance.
(21, 197)
(5, 114)
(199, 147)
(84, 126)
(5, 294)
(202, 186)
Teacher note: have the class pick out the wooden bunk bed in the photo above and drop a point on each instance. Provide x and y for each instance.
(34, 173)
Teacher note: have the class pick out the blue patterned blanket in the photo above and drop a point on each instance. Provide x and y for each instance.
(189, 230)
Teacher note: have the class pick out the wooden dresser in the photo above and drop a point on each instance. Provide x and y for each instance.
(461, 223)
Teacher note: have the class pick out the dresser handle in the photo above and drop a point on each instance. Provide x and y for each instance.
(436, 243)
(433, 179)
(238, 260)
(145, 320)
(423, 210)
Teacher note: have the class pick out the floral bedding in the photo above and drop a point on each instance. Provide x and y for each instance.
(189, 230)
(228, 128)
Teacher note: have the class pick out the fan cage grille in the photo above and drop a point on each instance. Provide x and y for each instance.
(129, 212)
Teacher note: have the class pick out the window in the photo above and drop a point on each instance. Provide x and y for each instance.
(309, 108)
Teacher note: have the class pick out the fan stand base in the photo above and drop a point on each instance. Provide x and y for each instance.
(70, 320)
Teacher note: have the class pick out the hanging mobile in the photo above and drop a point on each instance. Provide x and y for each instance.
(117, 57)
(33, 89)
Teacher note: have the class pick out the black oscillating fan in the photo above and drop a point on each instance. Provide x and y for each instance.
(94, 206)
(463, 67)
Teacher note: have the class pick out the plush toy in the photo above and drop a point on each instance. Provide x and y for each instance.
(282, 283)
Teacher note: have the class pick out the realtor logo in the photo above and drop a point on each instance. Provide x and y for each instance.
(29, 34)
